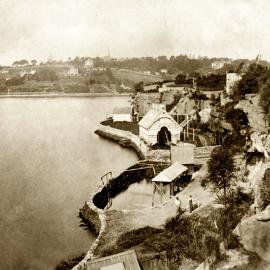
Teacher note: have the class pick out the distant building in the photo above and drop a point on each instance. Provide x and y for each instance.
(163, 71)
(122, 114)
(89, 64)
(72, 71)
(231, 79)
(28, 72)
(219, 64)
(126, 260)
(158, 127)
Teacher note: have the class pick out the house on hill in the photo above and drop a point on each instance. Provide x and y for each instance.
(157, 127)
(89, 64)
(72, 71)
(122, 114)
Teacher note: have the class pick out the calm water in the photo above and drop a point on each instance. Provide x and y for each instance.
(137, 196)
(50, 162)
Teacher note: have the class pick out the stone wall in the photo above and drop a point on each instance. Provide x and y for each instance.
(120, 135)
(97, 218)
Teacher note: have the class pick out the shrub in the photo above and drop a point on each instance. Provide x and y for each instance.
(238, 204)
(265, 189)
(135, 237)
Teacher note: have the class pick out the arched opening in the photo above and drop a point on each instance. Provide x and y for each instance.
(164, 137)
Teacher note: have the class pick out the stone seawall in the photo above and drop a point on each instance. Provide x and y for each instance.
(97, 218)
(124, 138)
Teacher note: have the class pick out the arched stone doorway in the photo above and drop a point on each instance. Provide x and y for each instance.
(164, 137)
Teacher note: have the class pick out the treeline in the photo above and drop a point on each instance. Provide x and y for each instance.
(213, 81)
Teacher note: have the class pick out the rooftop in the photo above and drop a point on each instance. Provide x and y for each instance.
(171, 173)
(122, 261)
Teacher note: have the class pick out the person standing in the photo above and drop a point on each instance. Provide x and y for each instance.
(190, 204)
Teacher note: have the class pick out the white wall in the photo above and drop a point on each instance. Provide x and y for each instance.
(122, 117)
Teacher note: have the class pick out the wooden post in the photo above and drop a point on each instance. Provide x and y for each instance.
(154, 189)
(193, 135)
(187, 125)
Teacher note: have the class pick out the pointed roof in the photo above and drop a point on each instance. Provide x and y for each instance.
(152, 116)
(171, 173)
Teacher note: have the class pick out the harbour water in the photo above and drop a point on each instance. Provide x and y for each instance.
(50, 161)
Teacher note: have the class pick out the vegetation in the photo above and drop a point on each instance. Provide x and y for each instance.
(22, 62)
(127, 126)
(250, 82)
(220, 171)
(237, 118)
(238, 204)
(265, 189)
(45, 74)
(183, 236)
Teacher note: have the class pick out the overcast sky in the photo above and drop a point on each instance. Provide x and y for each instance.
(66, 28)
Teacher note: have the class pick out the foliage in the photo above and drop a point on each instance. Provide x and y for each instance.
(15, 81)
(185, 236)
(22, 62)
(213, 81)
(238, 204)
(220, 170)
(265, 189)
(250, 82)
(265, 98)
(139, 87)
(204, 127)
(237, 118)
(135, 237)
(197, 95)
(45, 74)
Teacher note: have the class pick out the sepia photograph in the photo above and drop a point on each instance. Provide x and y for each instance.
(135, 135)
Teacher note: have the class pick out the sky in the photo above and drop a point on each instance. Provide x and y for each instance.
(58, 29)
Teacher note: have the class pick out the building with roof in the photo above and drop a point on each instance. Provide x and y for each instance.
(122, 114)
(122, 261)
(158, 127)
(89, 63)
(72, 71)
(163, 183)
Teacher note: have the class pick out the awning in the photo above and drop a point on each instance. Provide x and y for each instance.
(171, 173)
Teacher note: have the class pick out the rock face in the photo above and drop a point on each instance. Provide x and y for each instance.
(254, 234)
(254, 112)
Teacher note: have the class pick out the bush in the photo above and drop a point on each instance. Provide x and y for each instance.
(135, 237)
(238, 204)
(265, 189)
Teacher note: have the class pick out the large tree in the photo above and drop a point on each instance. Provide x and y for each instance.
(220, 170)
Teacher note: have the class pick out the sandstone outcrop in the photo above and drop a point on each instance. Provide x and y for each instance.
(254, 234)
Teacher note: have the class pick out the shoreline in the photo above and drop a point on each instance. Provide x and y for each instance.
(56, 95)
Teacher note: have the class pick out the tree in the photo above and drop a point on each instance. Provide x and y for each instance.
(34, 62)
(139, 87)
(237, 118)
(220, 170)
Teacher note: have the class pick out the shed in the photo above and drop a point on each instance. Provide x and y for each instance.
(158, 127)
(122, 261)
(122, 114)
(163, 183)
